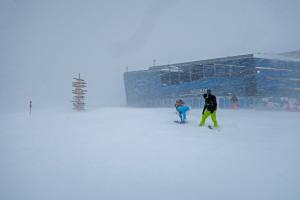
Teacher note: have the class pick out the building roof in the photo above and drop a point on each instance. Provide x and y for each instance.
(287, 56)
(292, 54)
(206, 61)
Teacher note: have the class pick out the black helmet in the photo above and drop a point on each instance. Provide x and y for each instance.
(208, 91)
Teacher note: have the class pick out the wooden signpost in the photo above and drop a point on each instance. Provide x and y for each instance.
(79, 92)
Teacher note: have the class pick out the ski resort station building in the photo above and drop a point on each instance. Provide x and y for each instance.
(256, 79)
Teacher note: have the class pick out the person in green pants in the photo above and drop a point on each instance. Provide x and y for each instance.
(210, 108)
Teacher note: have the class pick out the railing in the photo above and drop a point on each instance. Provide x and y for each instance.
(224, 102)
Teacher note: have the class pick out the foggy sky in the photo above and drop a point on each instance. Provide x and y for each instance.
(43, 44)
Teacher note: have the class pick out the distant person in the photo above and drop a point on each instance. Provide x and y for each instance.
(181, 109)
(234, 102)
(210, 108)
(30, 106)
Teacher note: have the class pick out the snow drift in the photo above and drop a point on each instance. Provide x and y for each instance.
(127, 153)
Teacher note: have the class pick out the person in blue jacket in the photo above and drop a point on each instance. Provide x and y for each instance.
(181, 109)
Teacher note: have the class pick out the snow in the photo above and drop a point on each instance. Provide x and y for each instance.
(130, 153)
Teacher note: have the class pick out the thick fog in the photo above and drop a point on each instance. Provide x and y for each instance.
(43, 44)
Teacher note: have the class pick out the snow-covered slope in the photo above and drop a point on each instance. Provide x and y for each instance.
(138, 154)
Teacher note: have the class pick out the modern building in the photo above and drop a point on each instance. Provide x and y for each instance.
(253, 78)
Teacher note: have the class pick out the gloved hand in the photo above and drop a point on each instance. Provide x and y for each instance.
(213, 110)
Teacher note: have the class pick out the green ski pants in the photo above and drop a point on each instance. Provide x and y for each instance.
(213, 117)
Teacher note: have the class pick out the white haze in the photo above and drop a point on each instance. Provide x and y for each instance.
(43, 44)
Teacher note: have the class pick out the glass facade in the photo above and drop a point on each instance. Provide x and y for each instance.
(245, 76)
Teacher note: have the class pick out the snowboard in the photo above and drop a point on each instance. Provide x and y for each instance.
(179, 122)
(213, 128)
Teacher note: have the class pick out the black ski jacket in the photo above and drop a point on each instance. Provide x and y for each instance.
(210, 103)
